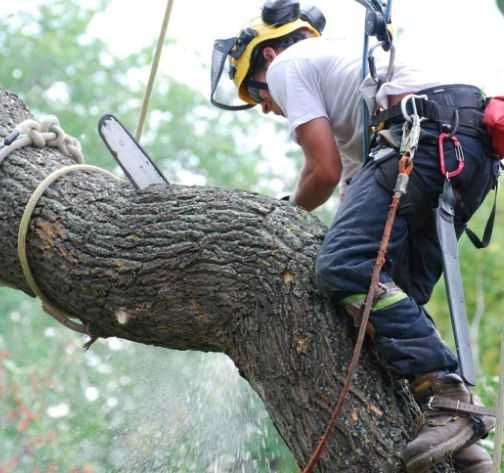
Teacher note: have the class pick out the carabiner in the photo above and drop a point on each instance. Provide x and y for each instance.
(404, 106)
(459, 154)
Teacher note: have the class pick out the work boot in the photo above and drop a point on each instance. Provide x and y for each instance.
(446, 426)
(473, 459)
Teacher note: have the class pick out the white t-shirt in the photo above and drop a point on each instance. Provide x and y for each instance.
(319, 78)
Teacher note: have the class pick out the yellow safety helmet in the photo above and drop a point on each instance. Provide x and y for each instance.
(279, 18)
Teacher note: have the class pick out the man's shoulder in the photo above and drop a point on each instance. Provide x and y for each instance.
(316, 49)
(304, 49)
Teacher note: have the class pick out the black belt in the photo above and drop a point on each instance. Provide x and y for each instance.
(447, 106)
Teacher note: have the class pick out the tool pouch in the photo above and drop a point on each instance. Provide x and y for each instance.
(493, 119)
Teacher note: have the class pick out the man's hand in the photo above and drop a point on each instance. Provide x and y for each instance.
(322, 169)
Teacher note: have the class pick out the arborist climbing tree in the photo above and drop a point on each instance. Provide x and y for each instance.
(429, 147)
(213, 270)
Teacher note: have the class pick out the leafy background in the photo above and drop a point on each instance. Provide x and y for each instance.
(128, 408)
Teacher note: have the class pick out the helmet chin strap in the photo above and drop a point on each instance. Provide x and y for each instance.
(231, 108)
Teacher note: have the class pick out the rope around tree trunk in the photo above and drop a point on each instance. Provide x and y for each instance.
(46, 132)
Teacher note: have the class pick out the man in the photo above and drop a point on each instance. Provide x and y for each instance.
(281, 63)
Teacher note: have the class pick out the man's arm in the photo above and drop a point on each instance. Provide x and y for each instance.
(322, 169)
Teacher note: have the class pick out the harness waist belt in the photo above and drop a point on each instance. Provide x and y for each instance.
(449, 105)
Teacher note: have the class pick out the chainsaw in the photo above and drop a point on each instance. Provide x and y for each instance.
(134, 161)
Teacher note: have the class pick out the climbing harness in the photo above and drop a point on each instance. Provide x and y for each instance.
(154, 68)
(47, 132)
(409, 145)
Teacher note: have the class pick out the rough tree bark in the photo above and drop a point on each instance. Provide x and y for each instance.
(199, 268)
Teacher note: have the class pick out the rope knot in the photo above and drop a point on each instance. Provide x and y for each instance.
(33, 130)
(68, 145)
(46, 132)
(50, 124)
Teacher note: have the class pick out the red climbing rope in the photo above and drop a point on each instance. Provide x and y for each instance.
(405, 170)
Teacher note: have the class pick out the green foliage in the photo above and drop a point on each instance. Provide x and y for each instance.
(122, 407)
(52, 62)
(488, 390)
(500, 5)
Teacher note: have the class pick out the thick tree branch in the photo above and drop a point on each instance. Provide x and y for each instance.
(206, 269)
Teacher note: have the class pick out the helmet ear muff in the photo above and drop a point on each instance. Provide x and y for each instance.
(280, 12)
(315, 17)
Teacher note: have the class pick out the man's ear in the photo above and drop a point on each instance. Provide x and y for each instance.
(269, 54)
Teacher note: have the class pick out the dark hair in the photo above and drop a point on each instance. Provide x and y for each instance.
(258, 62)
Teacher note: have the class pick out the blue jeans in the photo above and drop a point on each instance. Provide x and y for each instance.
(405, 335)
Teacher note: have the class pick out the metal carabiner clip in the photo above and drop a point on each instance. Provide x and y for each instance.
(459, 154)
(404, 106)
(411, 126)
(372, 65)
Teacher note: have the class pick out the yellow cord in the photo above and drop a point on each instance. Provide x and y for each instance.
(154, 68)
(57, 313)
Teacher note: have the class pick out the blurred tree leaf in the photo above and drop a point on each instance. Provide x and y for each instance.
(500, 5)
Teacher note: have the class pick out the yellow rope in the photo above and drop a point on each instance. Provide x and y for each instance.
(59, 314)
(154, 68)
(46, 132)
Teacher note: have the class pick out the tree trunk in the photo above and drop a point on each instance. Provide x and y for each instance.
(199, 268)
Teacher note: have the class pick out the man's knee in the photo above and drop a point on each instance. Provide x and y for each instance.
(324, 272)
(331, 270)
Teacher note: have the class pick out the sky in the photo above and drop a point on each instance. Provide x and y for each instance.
(457, 39)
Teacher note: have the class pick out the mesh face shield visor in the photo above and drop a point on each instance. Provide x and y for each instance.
(222, 49)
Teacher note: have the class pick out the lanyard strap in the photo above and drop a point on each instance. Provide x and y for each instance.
(487, 233)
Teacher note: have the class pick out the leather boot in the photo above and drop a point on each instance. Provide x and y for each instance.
(451, 421)
(473, 459)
